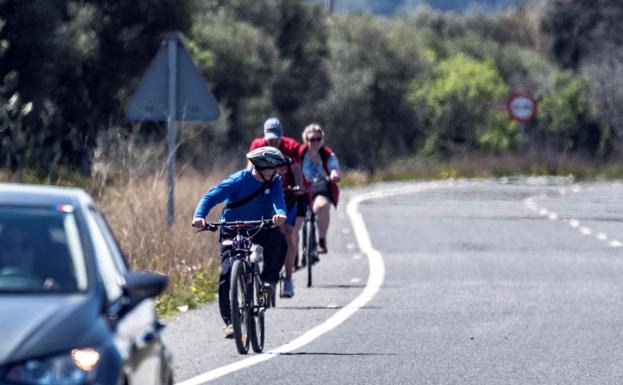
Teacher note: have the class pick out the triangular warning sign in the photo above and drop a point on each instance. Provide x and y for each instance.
(194, 100)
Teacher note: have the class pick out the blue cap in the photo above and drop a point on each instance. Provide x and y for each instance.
(272, 129)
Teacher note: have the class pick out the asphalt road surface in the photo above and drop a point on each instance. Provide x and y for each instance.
(490, 282)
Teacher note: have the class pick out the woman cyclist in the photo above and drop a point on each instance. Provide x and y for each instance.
(250, 194)
(322, 171)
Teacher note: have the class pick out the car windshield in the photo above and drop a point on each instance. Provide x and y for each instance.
(40, 250)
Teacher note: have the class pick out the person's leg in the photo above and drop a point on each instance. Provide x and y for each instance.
(290, 234)
(224, 284)
(298, 224)
(288, 231)
(301, 211)
(322, 207)
(223, 297)
(275, 247)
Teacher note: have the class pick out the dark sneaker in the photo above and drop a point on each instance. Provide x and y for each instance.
(229, 331)
(288, 289)
(315, 258)
(322, 246)
(266, 289)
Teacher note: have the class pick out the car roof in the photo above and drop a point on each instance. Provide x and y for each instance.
(36, 195)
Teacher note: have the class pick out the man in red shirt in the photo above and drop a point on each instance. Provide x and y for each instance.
(292, 177)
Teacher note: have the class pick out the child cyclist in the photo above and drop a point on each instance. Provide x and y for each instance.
(250, 194)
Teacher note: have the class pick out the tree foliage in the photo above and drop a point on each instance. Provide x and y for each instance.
(580, 29)
(460, 98)
(382, 88)
(76, 61)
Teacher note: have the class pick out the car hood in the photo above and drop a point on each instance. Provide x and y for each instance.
(38, 325)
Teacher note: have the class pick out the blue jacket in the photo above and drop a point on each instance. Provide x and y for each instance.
(239, 186)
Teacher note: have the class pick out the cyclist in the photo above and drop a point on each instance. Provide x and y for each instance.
(292, 177)
(250, 194)
(322, 171)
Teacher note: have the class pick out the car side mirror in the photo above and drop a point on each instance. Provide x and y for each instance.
(140, 285)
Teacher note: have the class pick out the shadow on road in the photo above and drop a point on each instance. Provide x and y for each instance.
(339, 286)
(324, 307)
(334, 354)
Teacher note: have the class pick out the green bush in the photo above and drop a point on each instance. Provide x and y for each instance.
(460, 98)
(563, 111)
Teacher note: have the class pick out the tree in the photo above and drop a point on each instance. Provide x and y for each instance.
(77, 61)
(366, 114)
(579, 29)
(459, 99)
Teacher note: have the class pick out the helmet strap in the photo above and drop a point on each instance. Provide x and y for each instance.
(272, 177)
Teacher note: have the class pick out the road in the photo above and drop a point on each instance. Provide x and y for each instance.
(484, 282)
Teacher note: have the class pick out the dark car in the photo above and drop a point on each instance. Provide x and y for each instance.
(71, 310)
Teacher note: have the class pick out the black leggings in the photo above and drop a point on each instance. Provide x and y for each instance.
(275, 246)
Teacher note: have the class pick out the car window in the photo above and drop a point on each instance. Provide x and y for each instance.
(105, 259)
(41, 250)
(118, 258)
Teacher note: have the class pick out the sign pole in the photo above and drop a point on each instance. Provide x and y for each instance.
(171, 132)
(522, 107)
(172, 80)
(522, 138)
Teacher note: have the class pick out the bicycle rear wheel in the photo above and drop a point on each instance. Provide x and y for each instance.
(257, 321)
(239, 299)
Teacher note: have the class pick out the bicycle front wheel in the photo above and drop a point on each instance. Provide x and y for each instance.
(257, 322)
(239, 295)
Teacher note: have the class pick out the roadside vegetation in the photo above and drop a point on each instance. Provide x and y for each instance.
(421, 94)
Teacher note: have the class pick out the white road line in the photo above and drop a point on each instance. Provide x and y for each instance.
(586, 230)
(355, 280)
(376, 268)
(531, 204)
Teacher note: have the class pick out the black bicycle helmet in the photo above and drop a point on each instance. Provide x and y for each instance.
(268, 157)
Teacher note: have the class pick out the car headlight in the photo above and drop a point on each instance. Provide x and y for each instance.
(72, 368)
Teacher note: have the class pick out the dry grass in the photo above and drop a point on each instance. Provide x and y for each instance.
(137, 212)
(130, 187)
(488, 166)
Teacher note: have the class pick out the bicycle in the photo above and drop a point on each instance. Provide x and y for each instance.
(309, 244)
(247, 302)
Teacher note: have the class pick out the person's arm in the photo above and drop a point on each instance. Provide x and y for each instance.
(334, 168)
(279, 203)
(213, 197)
(298, 177)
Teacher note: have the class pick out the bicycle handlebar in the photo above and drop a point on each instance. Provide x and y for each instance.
(239, 224)
(293, 189)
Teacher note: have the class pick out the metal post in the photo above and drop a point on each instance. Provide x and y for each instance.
(522, 139)
(171, 133)
(329, 7)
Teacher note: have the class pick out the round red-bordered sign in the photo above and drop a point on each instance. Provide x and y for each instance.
(521, 107)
